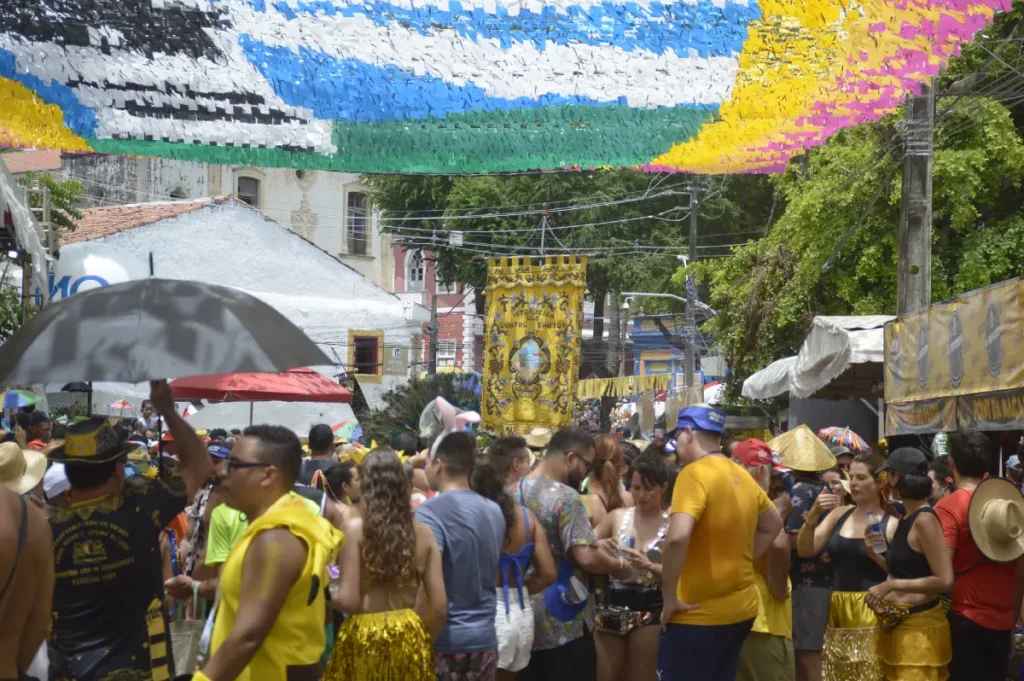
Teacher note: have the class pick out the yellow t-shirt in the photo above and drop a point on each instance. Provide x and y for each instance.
(719, 570)
(297, 637)
(774, 617)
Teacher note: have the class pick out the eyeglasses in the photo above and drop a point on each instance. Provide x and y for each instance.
(590, 463)
(238, 463)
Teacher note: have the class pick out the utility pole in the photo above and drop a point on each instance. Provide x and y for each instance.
(432, 363)
(543, 228)
(914, 270)
(26, 284)
(691, 295)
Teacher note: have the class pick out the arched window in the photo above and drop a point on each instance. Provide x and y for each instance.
(415, 271)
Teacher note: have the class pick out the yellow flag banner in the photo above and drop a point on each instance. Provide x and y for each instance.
(972, 344)
(621, 386)
(532, 338)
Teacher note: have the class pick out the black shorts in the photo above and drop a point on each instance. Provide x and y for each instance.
(810, 617)
(576, 660)
(979, 654)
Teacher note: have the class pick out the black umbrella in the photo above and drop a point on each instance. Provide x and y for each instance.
(154, 328)
(81, 387)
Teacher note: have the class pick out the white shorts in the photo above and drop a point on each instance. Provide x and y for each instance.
(515, 631)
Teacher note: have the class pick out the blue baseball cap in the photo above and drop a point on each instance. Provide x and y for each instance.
(219, 451)
(700, 417)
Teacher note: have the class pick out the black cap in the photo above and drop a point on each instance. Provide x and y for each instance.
(906, 460)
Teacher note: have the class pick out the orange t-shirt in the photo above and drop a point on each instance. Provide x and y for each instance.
(179, 526)
(983, 590)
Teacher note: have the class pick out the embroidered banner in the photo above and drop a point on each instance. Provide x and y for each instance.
(532, 339)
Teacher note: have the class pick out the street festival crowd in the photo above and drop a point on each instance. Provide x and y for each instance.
(250, 555)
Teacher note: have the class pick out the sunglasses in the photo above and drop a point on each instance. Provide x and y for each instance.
(238, 463)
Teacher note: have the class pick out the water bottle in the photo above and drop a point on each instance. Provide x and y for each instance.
(876, 526)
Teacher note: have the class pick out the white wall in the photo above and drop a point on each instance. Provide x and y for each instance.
(233, 245)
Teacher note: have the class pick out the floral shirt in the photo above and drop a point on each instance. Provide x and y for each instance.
(817, 571)
(561, 511)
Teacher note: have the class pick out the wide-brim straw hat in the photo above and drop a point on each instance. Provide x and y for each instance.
(538, 438)
(21, 469)
(801, 450)
(996, 520)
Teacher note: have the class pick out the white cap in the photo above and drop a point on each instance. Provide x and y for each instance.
(55, 482)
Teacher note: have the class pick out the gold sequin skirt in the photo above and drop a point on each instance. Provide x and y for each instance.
(918, 649)
(850, 651)
(382, 646)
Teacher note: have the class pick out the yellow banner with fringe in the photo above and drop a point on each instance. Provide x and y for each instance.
(532, 337)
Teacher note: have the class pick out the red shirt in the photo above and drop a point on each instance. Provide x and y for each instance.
(983, 590)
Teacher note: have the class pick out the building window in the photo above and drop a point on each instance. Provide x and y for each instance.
(366, 355)
(358, 221)
(414, 280)
(443, 289)
(446, 353)
(247, 190)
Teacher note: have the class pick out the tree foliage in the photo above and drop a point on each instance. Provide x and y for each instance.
(65, 196)
(834, 249)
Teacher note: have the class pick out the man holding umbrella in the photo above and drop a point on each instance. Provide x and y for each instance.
(108, 617)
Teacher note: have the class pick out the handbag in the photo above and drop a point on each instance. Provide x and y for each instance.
(185, 635)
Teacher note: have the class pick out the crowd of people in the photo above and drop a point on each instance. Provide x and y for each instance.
(146, 551)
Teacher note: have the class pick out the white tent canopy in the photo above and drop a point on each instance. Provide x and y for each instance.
(833, 346)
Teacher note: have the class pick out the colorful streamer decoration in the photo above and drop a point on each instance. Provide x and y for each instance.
(467, 86)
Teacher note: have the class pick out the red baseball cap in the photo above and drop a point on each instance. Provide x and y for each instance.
(752, 453)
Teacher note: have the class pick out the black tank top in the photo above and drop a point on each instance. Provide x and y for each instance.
(904, 562)
(852, 568)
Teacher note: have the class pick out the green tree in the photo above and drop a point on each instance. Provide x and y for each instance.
(834, 249)
(65, 196)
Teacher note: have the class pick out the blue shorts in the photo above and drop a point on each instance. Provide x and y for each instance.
(701, 653)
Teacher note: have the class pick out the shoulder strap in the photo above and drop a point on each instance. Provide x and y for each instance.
(22, 534)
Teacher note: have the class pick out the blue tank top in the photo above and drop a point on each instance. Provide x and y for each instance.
(521, 560)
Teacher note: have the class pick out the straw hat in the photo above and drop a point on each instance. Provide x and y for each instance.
(996, 520)
(538, 438)
(20, 469)
(801, 450)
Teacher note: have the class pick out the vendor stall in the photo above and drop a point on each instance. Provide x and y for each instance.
(957, 365)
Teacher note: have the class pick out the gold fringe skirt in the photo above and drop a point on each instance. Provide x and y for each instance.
(850, 651)
(382, 646)
(918, 649)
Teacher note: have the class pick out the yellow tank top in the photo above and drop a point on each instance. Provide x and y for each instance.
(774, 617)
(297, 637)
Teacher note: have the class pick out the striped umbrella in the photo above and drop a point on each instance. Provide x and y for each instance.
(843, 437)
(15, 399)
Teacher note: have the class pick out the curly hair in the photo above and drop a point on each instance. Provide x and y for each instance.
(485, 481)
(608, 460)
(388, 531)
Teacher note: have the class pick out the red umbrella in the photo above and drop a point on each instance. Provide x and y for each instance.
(297, 385)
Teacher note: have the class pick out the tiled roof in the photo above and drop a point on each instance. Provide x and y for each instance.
(25, 161)
(106, 220)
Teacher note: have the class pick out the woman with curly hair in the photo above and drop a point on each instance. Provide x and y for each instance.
(391, 588)
(604, 486)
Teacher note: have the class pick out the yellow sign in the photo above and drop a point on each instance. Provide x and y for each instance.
(532, 339)
(972, 344)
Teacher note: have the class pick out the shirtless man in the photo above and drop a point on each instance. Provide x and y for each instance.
(26, 583)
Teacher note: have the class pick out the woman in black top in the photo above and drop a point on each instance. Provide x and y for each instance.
(914, 639)
(848, 652)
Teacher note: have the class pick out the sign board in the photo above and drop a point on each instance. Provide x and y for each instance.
(396, 361)
(454, 238)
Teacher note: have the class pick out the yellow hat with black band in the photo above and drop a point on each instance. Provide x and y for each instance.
(91, 441)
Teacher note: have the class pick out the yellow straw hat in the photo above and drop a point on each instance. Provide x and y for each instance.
(996, 520)
(801, 450)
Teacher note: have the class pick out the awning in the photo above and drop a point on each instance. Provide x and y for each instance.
(771, 381)
(841, 357)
